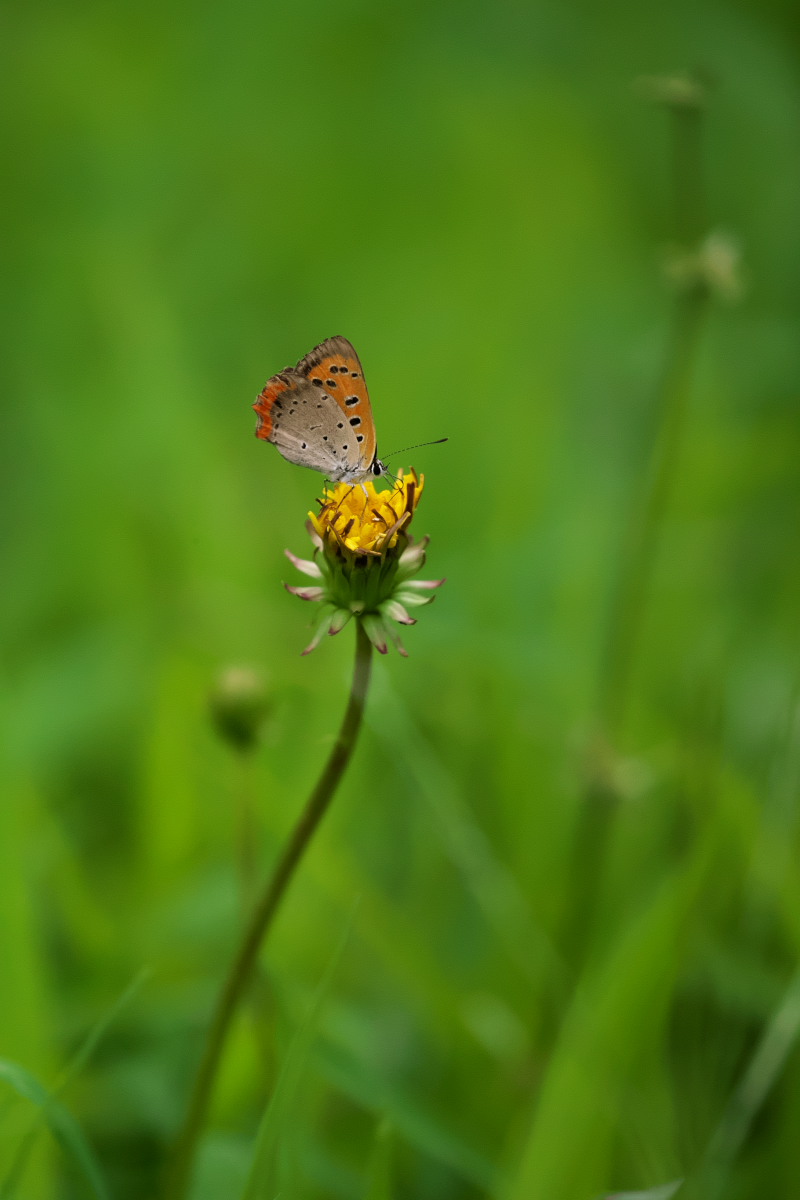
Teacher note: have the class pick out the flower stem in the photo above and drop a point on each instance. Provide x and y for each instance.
(241, 971)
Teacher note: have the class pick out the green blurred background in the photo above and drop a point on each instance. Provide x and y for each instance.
(532, 1002)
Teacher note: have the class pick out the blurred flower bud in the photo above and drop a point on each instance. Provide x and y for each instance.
(715, 267)
(681, 90)
(239, 706)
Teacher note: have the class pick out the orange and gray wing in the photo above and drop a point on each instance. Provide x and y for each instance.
(334, 368)
(308, 426)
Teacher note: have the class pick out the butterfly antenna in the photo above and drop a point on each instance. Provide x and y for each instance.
(418, 446)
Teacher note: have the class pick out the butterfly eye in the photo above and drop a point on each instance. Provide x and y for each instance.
(377, 467)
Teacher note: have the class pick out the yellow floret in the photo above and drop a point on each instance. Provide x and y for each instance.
(364, 520)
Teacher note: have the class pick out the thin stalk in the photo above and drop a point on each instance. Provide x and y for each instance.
(648, 508)
(260, 1000)
(261, 920)
(246, 829)
(642, 536)
(647, 513)
(690, 221)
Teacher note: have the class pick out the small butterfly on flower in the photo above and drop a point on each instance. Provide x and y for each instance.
(318, 414)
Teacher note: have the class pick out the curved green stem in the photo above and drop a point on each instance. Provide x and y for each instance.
(241, 971)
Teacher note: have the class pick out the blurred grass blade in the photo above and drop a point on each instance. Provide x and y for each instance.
(264, 1179)
(379, 1184)
(98, 1031)
(617, 1012)
(420, 1127)
(766, 1065)
(60, 1122)
(73, 1068)
(494, 887)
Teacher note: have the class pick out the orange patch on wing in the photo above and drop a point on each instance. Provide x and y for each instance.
(346, 382)
(273, 389)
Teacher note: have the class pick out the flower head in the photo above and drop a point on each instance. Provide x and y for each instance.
(364, 559)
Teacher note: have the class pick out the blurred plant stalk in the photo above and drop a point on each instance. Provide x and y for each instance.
(699, 267)
(691, 268)
(239, 705)
(641, 539)
(711, 1180)
(180, 1169)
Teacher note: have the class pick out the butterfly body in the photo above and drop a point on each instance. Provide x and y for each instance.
(319, 414)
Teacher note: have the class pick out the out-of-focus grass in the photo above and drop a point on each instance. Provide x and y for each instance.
(476, 198)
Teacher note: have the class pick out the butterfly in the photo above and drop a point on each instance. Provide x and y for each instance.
(318, 414)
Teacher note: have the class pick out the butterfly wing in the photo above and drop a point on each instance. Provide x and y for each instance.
(334, 368)
(299, 421)
(318, 413)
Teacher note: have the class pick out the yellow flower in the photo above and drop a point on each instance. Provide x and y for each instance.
(364, 559)
(362, 520)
